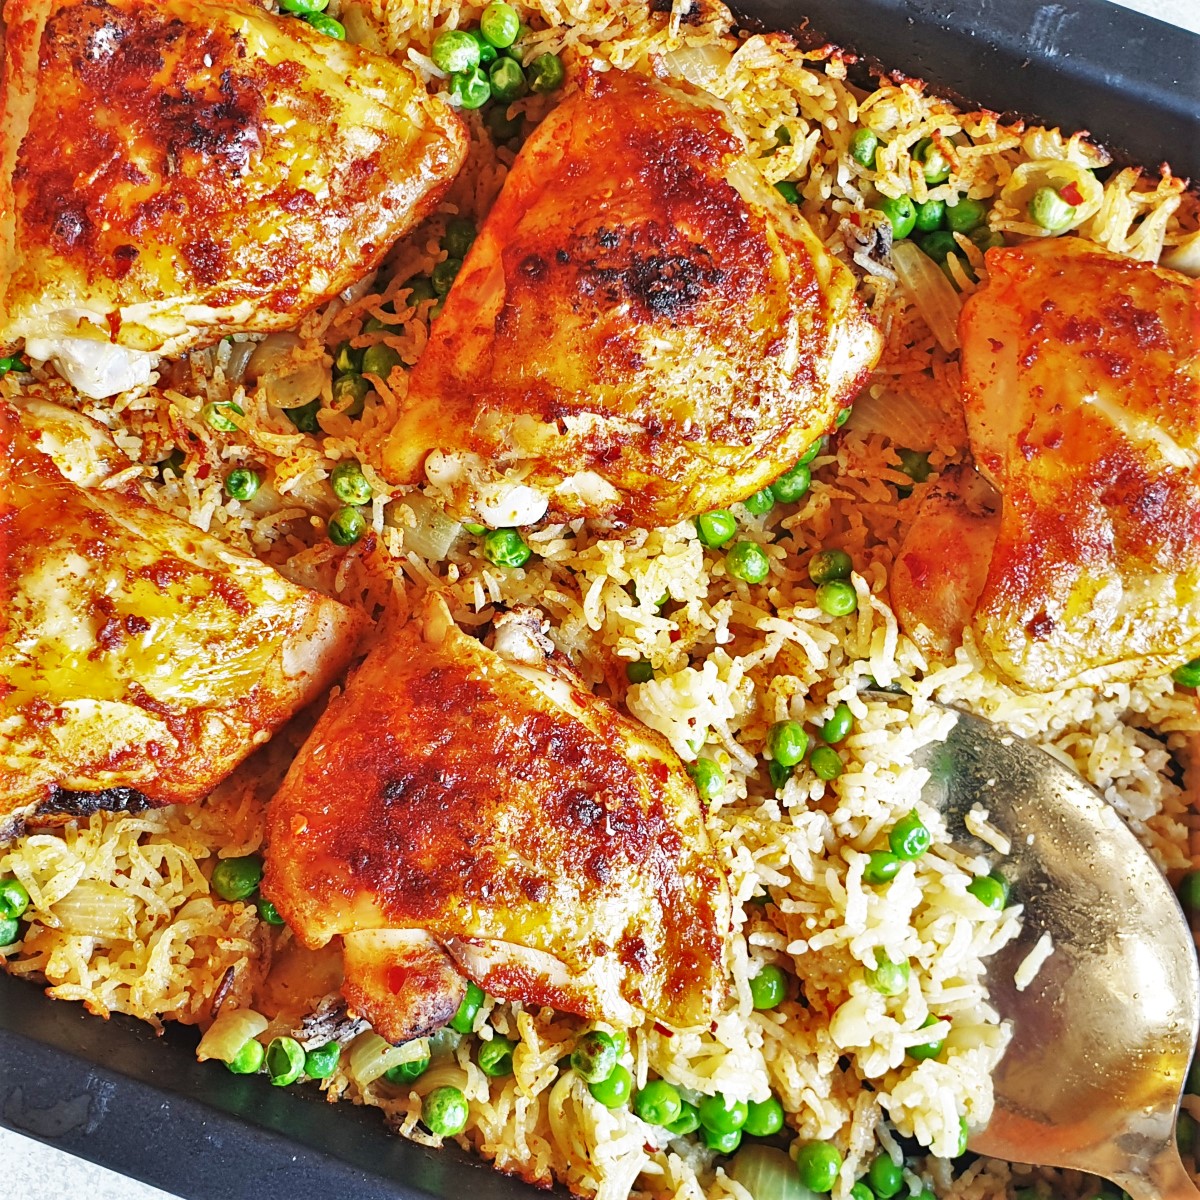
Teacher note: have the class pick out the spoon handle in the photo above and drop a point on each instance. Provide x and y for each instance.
(1162, 1178)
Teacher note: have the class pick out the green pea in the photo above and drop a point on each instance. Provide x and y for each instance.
(787, 742)
(500, 24)
(507, 80)
(445, 1111)
(909, 838)
(812, 452)
(10, 930)
(722, 1143)
(237, 878)
(444, 275)
(14, 899)
(457, 240)
(838, 727)
(501, 126)
(249, 1059)
(768, 989)
(285, 1061)
(860, 1191)
(783, 135)
(374, 324)
(267, 911)
(463, 1021)
(470, 89)
(843, 416)
(747, 562)
(613, 1091)
(406, 1072)
(881, 867)
(346, 526)
(380, 360)
(828, 565)
(930, 216)
(966, 216)
(216, 415)
(639, 672)
(915, 464)
(349, 483)
(454, 50)
(545, 73)
(506, 548)
(595, 1056)
(901, 212)
(864, 146)
(475, 528)
(517, 49)
(304, 417)
(304, 6)
(716, 528)
(990, 890)
(923, 1050)
(722, 1115)
(818, 1164)
(934, 164)
(940, 245)
(1188, 675)
(321, 1061)
(687, 1122)
(1188, 890)
(12, 362)
(658, 1103)
(323, 23)
(1048, 209)
(885, 1177)
(764, 1118)
(760, 503)
(779, 774)
(837, 598)
(487, 52)
(886, 977)
(347, 359)
(788, 190)
(173, 462)
(420, 287)
(708, 778)
(826, 763)
(495, 1058)
(350, 394)
(789, 488)
(987, 239)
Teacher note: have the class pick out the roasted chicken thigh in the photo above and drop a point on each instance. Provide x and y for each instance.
(642, 330)
(483, 801)
(1081, 383)
(173, 171)
(139, 657)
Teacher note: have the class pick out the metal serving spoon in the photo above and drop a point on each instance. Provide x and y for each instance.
(1102, 1038)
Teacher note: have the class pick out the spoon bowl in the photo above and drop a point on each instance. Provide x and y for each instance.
(1103, 1034)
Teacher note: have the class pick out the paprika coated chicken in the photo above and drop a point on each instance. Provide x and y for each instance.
(1081, 383)
(140, 659)
(642, 330)
(176, 170)
(476, 810)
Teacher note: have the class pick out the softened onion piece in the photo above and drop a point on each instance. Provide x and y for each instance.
(371, 1056)
(96, 909)
(930, 291)
(1185, 257)
(768, 1174)
(701, 66)
(287, 383)
(433, 533)
(232, 1029)
(897, 416)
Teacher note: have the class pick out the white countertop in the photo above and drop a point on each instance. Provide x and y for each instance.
(33, 1171)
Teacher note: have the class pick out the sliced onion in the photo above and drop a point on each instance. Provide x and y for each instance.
(240, 354)
(1185, 257)
(371, 1056)
(768, 1174)
(901, 418)
(433, 533)
(229, 1033)
(702, 66)
(930, 291)
(93, 908)
(287, 383)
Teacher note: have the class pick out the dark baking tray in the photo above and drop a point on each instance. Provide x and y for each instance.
(115, 1093)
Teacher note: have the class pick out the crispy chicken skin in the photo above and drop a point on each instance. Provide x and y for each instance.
(136, 652)
(552, 847)
(173, 171)
(642, 330)
(1081, 383)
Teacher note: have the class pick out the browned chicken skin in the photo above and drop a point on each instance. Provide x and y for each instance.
(136, 652)
(642, 330)
(1081, 383)
(483, 798)
(173, 170)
